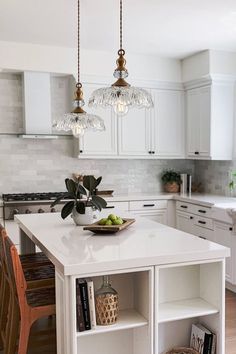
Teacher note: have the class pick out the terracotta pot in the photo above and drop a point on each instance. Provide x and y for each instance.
(171, 187)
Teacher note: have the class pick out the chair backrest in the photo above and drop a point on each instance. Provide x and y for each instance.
(15, 272)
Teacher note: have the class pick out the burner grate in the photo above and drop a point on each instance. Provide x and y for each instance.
(31, 196)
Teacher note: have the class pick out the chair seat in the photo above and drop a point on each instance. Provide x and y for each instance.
(39, 273)
(41, 297)
(34, 260)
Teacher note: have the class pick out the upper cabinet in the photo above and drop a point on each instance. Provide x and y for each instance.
(99, 144)
(168, 124)
(210, 121)
(154, 133)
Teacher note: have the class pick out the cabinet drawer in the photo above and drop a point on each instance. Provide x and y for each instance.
(201, 210)
(194, 209)
(148, 205)
(203, 222)
(124, 206)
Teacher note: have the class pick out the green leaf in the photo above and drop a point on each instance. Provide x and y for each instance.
(56, 201)
(71, 186)
(98, 181)
(89, 182)
(99, 200)
(80, 207)
(82, 190)
(96, 205)
(67, 209)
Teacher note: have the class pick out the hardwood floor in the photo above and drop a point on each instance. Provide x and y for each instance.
(230, 325)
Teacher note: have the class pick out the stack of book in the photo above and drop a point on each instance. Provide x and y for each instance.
(86, 316)
(202, 339)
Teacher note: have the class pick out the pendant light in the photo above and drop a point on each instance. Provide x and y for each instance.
(121, 96)
(79, 121)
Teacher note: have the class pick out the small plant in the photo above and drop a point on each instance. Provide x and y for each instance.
(81, 195)
(171, 176)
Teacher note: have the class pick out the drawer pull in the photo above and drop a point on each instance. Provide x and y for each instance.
(191, 218)
(204, 238)
(148, 205)
(184, 206)
(230, 229)
(110, 207)
(196, 152)
(202, 211)
(201, 222)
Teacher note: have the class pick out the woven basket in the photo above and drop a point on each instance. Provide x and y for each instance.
(182, 350)
(171, 187)
(106, 309)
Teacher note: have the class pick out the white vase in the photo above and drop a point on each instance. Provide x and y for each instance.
(88, 218)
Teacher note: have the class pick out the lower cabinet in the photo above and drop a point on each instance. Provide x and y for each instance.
(188, 294)
(184, 222)
(157, 307)
(224, 236)
(133, 331)
(155, 210)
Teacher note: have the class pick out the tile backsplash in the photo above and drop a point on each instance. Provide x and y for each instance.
(42, 165)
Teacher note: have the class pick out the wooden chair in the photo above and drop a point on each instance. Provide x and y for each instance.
(26, 304)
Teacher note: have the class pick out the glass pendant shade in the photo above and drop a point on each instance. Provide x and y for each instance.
(79, 121)
(121, 96)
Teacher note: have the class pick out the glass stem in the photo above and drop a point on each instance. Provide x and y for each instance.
(106, 281)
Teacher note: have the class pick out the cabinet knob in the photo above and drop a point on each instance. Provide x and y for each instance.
(81, 151)
(153, 152)
(230, 229)
(149, 152)
(191, 218)
(196, 152)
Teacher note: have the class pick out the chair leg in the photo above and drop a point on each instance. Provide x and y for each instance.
(24, 335)
(12, 328)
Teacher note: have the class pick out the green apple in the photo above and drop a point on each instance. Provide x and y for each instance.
(112, 217)
(103, 221)
(118, 221)
(108, 222)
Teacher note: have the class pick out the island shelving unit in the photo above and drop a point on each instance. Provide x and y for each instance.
(166, 280)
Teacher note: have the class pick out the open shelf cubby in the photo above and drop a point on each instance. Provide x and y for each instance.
(133, 331)
(188, 294)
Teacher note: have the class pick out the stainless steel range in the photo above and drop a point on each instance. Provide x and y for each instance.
(27, 203)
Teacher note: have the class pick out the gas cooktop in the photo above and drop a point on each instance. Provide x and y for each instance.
(24, 197)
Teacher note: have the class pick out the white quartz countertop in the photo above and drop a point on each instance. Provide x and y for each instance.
(145, 243)
(138, 196)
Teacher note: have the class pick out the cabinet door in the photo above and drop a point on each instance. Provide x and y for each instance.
(184, 222)
(204, 122)
(193, 128)
(159, 216)
(198, 122)
(134, 133)
(168, 123)
(223, 236)
(99, 143)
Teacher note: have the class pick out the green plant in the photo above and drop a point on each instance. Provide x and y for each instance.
(170, 176)
(81, 196)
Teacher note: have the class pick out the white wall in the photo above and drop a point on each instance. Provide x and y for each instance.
(25, 56)
(196, 66)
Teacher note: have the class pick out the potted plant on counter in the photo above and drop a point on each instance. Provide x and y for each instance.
(171, 180)
(82, 200)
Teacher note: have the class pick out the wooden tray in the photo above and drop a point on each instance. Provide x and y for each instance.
(108, 229)
(182, 350)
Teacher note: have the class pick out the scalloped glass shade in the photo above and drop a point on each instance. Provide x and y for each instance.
(79, 123)
(121, 98)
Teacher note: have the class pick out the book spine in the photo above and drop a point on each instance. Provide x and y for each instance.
(79, 309)
(85, 304)
(91, 304)
(207, 343)
(213, 348)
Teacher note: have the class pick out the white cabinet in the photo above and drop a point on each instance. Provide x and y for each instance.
(210, 114)
(98, 144)
(155, 210)
(134, 133)
(184, 222)
(223, 235)
(154, 133)
(168, 124)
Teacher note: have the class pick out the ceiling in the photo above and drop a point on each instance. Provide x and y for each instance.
(172, 28)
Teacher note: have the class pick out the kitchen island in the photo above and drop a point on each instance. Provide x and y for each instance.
(166, 280)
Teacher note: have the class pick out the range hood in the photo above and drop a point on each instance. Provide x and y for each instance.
(37, 105)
